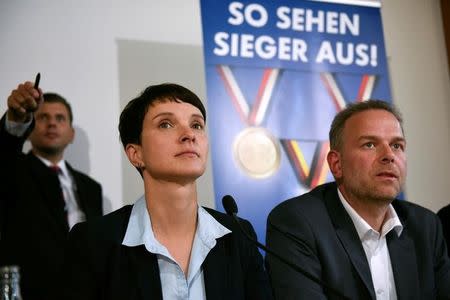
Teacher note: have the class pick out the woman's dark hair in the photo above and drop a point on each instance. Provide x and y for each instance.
(132, 116)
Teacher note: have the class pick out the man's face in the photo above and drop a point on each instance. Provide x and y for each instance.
(371, 164)
(53, 131)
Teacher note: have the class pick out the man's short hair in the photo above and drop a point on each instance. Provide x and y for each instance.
(338, 124)
(56, 98)
(132, 116)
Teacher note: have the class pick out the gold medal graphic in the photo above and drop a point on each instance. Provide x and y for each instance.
(257, 152)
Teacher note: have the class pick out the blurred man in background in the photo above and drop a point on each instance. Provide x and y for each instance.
(41, 195)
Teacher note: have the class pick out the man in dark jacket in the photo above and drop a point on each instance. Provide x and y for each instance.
(353, 234)
(41, 195)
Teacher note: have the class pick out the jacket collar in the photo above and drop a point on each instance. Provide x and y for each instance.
(50, 188)
(401, 248)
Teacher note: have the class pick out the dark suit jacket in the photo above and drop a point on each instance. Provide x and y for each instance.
(317, 233)
(33, 227)
(100, 267)
(444, 215)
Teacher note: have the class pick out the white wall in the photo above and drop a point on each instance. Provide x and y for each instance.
(73, 45)
(421, 88)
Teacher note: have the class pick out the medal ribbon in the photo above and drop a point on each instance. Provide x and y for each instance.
(256, 115)
(364, 92)
(316, 174)
(311, 176)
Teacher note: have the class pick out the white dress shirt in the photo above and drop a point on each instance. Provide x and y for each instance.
(16, 128)
(175, 285)
(69, 188)
(376, 249)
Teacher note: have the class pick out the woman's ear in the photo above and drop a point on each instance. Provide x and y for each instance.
(134, 154)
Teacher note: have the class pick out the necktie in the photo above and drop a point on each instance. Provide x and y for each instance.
(55, 169)
(58, 171)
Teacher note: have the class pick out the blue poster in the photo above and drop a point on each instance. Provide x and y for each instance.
(276, 74)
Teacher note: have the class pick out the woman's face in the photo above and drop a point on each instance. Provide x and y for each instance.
(174, 144)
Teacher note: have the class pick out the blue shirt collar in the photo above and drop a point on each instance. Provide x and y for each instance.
(139, 230)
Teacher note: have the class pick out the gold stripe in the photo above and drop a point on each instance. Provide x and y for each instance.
(300, 158)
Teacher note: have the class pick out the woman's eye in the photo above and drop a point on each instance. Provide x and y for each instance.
(197, 126)
(165, 125)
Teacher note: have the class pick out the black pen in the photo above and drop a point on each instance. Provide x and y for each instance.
(36, 81)
(36, 87)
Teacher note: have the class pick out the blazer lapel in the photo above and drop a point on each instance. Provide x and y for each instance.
(403, 255)
(348, 236)
(216, 271)
(145, 266)
(81, 193)
(49, 186)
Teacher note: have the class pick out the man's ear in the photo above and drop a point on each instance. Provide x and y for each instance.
(334, 162)
(134, 154)
(73, 135)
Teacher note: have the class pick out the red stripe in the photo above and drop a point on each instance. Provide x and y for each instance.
(232, 95)
(330, 91)
(362, 87)
(257, 104)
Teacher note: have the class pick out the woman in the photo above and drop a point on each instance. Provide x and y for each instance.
(165, 246)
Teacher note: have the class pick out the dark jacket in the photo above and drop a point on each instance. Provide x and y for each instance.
(100, 267)
(317, 233)
(33, 226)
(444, 215)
